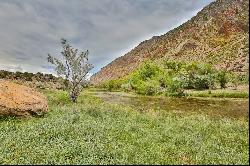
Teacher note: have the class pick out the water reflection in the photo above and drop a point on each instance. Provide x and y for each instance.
(233, 108)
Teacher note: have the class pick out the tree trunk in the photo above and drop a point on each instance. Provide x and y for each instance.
(73, 96)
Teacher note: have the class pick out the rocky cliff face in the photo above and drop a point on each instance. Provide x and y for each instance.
(218, 34)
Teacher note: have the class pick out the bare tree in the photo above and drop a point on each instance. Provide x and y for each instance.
(73, 67)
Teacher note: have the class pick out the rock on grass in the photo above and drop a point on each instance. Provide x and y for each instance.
(19, 100)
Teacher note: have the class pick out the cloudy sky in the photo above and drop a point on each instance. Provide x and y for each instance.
(30, 29)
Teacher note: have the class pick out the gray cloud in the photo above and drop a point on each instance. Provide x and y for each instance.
(29, 29)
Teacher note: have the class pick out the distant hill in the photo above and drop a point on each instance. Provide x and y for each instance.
(218, 34)
(38, 80)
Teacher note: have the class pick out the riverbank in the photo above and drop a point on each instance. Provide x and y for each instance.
(230, 92)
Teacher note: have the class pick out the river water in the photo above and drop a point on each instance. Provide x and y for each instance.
(214, 107)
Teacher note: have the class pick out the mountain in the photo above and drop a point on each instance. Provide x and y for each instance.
(218, 35)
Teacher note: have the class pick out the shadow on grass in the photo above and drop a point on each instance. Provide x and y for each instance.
(20, 118)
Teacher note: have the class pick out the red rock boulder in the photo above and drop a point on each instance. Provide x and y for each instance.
(19, 100)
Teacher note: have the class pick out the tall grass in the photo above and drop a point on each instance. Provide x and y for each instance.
(94, 132)
(219, 94)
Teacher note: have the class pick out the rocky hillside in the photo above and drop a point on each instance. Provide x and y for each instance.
(218, 34)
(38, 80)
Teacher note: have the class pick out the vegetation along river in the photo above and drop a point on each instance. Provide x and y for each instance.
(214, 107)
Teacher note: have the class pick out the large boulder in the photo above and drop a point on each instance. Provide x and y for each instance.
(19, 100)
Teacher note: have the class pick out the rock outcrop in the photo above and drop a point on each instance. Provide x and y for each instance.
(19, 100)
(218, 35)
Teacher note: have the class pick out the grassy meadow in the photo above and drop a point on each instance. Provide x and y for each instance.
(96, 132)
(219, 93)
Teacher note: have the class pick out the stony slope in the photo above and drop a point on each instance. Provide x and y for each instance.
(218, 34)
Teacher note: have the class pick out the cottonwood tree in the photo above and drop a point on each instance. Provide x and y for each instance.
(74, 68)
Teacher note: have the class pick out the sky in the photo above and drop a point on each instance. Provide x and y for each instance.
(30, 29)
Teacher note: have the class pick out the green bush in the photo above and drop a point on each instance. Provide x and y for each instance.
(191, 72)
(171, 78)
(175, 87)
(126, 87)
(243, 78)
(222, 78)
(195, 75)
(18, 75)
(145, 79)
(28, 76)
(4, 74)
(150, 87)
(204, 77)
(174, 65)
(237, 79)
(204, 81)
(234, 80)
(148, 70)
(163, 80)
(112, 84)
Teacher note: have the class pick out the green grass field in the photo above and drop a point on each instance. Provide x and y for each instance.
(95, 132)
(220, 93)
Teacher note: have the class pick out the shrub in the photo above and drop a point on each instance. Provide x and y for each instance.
(204, 77)
(243, 78)
(163, 80)
(148, 70)
(18, 75)
(175, 87)
(191, 70)
(112, 85)
(222, 78)
(109, 85)
(144, 80)
(237, 79)
(171, 78)
(40, 85)
(150, 87)
(174, 65)
(234, 80)
(126, 87)
(28, 76)
(204, 81)
(194, 75)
